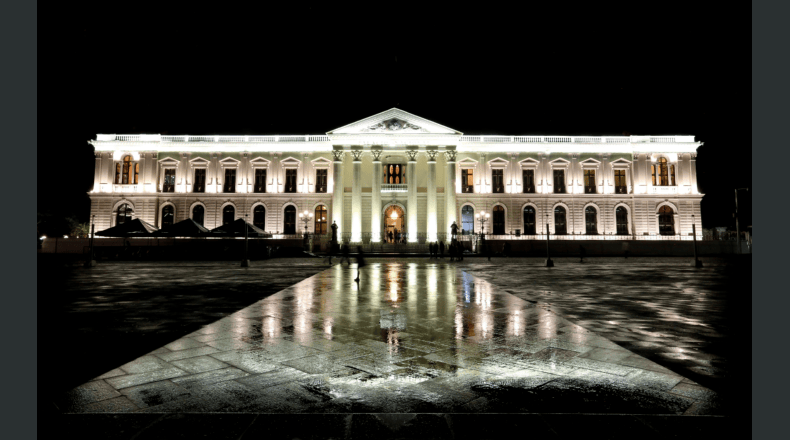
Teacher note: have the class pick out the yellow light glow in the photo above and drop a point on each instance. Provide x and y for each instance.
(394, 215)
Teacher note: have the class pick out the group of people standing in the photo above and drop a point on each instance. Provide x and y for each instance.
(455, 250)
(394, 237)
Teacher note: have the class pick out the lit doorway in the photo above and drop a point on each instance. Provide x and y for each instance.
(394, 224)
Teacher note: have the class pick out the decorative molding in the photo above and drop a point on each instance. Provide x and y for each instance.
(376, 154)
(412, 155)
(393, 124)
(338, 155)
(431, 155)
(357, 155)
(450, 154)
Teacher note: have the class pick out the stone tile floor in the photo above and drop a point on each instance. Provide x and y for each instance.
(411, 337)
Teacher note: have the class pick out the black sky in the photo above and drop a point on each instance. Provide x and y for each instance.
(301, 70)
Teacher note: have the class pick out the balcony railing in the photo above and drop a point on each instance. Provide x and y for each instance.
(394, 187)
(476, 139)
(583, 237)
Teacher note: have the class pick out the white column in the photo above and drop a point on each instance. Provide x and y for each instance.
(356, 198)
(375, 198)
(411, 204)
(693, 162)
(449, 194)
(337, 187)
(431, 206)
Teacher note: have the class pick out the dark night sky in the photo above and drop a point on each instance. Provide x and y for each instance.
(297, 70)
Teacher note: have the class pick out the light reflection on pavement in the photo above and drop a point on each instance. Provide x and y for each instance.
(410, 337)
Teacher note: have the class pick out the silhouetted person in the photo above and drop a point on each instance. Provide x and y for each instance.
(487, 250)
(392, 238)
(360, 262)
(582, 254)
(451, 251)
(441, 249)
(345, 256)
(454, 229)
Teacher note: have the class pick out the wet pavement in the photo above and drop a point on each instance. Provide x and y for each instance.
(694, 322)
(412, 337)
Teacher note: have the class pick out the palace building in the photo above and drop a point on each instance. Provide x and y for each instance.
(398, 172)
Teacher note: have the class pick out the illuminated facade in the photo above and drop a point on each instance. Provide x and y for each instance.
(398, 172)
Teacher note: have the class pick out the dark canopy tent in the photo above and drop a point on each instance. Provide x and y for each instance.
(236, 229)
(184, 228)
(131, 228)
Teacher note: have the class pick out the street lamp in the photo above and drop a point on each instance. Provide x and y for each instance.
(305, 216)
(735, 214)
(482, 216)
(549, 263)
(246, 261)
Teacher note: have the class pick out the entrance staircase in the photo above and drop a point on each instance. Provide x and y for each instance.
(393, 248)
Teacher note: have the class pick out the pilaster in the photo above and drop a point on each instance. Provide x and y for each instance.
(337, 188)
(411, 204)
(431, 206)
(450, 212)
(356, 198)
(375, 199)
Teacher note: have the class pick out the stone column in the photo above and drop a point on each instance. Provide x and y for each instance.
(411, 204)
(337, 197)
(693, 167)
(356, 198)
(375, 198)
(450, 209)
(431, 206)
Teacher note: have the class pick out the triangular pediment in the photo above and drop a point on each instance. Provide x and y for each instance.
(394, 121)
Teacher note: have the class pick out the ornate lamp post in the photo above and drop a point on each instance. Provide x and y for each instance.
(246, 261)
(91, 262)
(549, 263)
(697, 262)
(482, 217)
(737, 225)
(306, 216)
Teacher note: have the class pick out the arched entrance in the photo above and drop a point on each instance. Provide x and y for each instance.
(394, 224)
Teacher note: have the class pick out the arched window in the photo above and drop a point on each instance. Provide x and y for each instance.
(666, 221)
(560, 227)
(124, 214)
(228, 215)
(529, 220)
(499, 220)
(290, 220)
(660, 172)
(259, 217)
(168, 214)
(621, 216)
(198, 214)
(320, 220)
(467, 220)
(591, 220)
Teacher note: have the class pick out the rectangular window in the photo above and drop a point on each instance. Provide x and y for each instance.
(620, 186)
(467, 181)
(653, 171)
(229, 185)
(672, 175)
(200, 181)
(260, 180)
(528, 177)
(170, 181)
(320, 181)
(559, 181)
(290, 180)
(589, 182)
(498, 180)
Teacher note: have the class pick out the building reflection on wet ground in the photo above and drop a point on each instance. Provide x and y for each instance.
(410, 337)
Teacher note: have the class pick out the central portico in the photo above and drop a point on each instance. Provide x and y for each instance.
(393, 156)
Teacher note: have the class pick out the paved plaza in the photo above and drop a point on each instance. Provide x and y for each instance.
(418, 336)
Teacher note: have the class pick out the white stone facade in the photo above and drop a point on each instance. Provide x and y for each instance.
(429, 191)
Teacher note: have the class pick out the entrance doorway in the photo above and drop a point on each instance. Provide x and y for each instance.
(394, 222)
